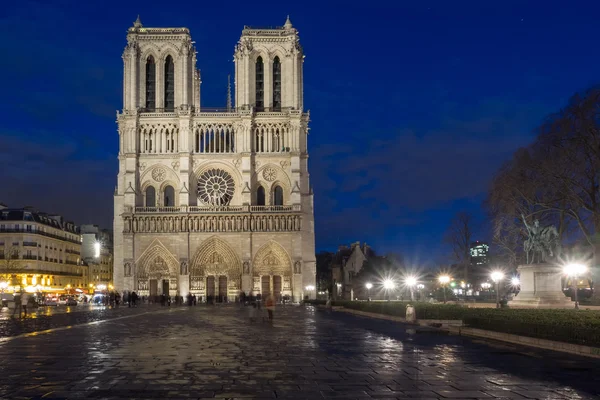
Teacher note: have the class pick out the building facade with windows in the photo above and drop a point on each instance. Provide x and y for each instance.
(213, 202)
(39, 251)
(96, 253)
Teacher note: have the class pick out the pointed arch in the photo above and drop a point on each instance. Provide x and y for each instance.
(260, 84)
(169, 74)
(216, 257)
(157, 262)
(272, 259)
(276, 79)
(260, 196)
(150, 83)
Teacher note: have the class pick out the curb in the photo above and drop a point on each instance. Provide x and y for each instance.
(562, 347)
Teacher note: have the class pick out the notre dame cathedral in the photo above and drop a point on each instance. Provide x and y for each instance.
(213, 202)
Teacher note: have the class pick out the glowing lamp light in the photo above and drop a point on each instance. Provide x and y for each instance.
(444, 279)
(388, 284)
(310, 288)
(515, 281)
(410, 281)
(97, 249)
(369, 285)
(575, 269)
(497, 276)
(3, 285)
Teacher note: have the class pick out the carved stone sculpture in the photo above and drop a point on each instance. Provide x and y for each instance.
(298, 267)
(542, 243)
(183, 268)
(127, 268)
(246, 267)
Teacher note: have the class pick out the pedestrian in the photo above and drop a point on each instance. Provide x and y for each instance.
(253, 310)
(17, 301)
(270, 304)
(24, 300)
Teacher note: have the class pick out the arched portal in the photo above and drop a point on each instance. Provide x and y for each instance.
(272, 271)
(216, 271)
(157, 272)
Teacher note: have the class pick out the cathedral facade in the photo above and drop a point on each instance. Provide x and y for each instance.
(213, 202)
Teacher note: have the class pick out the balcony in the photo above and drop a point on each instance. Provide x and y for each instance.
(218, 209)
(29, 257)
(50, 235)
(72, 252)
(30, 244)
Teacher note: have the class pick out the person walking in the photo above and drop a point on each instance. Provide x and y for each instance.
(24, 300)
(17, 301)
(270, 304)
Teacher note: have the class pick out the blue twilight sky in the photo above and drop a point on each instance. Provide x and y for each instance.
(414, 104)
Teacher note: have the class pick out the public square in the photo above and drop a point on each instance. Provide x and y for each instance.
(214, 352)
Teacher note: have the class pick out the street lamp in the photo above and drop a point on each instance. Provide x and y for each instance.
(309, 289)
(574, 271)
(388, 285)
(515, 281)
(497, 276)
(411, 282)
(444, 280)
(369, 285)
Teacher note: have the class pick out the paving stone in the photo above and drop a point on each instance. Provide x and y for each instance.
(212, 352)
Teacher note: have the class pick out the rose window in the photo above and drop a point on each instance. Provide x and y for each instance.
(269, 174)
(215, 187)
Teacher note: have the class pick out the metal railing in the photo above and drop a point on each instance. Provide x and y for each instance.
(42, 233)
(219, 209)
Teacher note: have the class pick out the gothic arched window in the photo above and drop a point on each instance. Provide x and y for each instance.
(260, 84)
(150, 84)
(169, 84)
(260, 196)
(150, 197)
(278, 196)
(276, 84)
(169, 197)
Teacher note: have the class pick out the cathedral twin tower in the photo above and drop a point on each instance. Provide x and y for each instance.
(213, 202)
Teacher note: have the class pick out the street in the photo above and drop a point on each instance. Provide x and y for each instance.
(208, 352)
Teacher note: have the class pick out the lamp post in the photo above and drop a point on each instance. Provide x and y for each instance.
(574, 271)
(411, 282)
(444, 280)
(388, 285)
(369, 285)
(497, 276)
(309, 289)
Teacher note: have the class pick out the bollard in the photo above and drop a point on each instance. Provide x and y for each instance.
(410, 314)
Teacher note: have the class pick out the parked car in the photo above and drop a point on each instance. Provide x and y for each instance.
(50, 301)
(71, 302)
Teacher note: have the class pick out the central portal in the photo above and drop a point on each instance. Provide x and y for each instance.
(222, 289)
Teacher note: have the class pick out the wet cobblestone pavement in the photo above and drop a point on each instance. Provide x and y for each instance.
(208, 352)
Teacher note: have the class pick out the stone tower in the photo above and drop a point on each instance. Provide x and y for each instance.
(213, 202)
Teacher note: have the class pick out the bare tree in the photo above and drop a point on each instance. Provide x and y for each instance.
(460, 237)
(556, 179)
(9, 262)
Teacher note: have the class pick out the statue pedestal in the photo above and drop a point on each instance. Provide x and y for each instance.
(541, 287)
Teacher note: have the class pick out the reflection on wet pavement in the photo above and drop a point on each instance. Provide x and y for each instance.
(207, 352)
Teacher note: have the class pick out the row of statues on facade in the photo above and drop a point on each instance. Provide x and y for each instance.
(261, 223)
(184, 269)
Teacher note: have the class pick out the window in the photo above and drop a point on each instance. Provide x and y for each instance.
(260, 196)
(150, 84)
(169, 84)
(276, 84)
(278, 196)
(28, 228)
(169, 197)
(150, 197)
(260, 84)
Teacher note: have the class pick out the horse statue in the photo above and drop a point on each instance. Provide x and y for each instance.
(542, 243)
